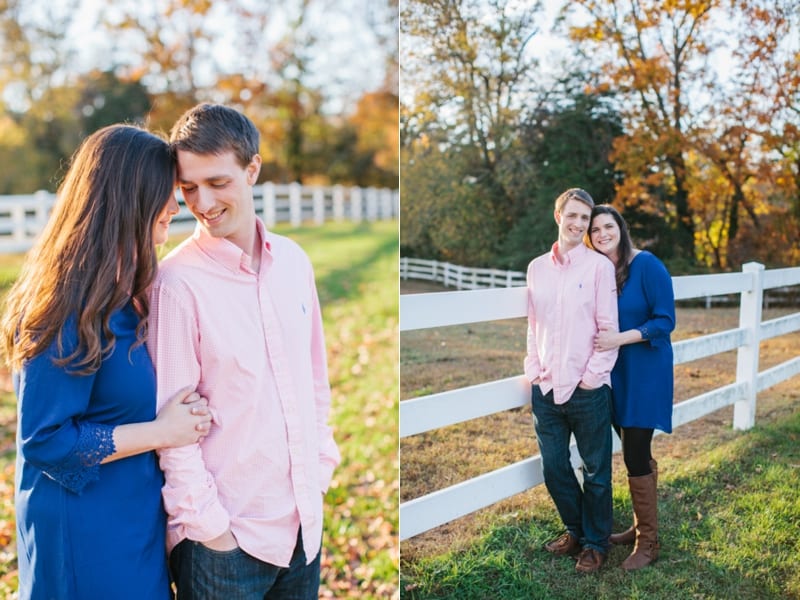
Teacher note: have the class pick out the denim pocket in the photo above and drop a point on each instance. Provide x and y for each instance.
(233, 553)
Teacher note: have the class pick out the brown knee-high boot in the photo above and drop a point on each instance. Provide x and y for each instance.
(628, 536)
(645, 507)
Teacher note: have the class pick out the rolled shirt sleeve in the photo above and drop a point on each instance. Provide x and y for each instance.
(190, 492)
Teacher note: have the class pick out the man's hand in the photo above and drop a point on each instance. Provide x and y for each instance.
(223, 543)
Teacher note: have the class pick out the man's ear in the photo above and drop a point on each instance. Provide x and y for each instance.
(557, 217)
(253, 169)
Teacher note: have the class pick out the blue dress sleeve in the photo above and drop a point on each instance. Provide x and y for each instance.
(53, 436)
(660, 297)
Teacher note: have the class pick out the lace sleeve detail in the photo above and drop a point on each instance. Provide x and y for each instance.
(95, 442)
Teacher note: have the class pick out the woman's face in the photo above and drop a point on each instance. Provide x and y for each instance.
(161, 226)
(604, 234)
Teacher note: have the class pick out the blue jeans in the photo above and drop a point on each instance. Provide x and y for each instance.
(587, 512)
(201, 573)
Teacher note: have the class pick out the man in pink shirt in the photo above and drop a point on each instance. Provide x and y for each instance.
(572, 295)
(235, 315)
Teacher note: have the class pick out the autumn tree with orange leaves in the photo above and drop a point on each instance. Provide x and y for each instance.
(713, 155)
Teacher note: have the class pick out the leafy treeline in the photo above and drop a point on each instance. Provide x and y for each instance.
(685, 114)
(163, 57)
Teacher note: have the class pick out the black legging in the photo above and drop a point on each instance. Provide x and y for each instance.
(636, 449)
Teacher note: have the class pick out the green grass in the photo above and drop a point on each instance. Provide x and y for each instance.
(729, 516)
(356, 267)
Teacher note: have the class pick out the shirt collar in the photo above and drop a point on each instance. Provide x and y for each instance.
(570, 257)
(228, 254)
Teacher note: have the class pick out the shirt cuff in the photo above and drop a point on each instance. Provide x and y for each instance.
(592, 380)
(212, 523)
(326, 468)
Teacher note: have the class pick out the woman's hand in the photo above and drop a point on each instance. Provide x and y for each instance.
(184, 419)
(607, 339)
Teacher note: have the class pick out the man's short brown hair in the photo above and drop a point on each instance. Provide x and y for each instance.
(574, 194)
(215, 129)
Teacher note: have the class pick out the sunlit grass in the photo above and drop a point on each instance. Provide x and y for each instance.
(356, 269)
(729, 517)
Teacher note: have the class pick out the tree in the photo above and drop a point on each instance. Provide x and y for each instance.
(33, 54)
(56, 123)
(106, 99)
(565, 146)
(16, 149)
(655, 53)
(702, 148)
(454, 222)
(468, 76)
(374, 159)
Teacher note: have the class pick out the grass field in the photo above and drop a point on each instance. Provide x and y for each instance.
(356, 267)
(730, 512)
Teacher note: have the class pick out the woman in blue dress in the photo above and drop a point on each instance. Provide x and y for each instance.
(642, 379)
(90, 523)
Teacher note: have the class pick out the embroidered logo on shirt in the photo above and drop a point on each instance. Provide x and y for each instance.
(303, 306)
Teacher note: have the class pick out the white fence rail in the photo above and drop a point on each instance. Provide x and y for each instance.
(473, 278)
(461, 278)
(23, 217)
(418, 415)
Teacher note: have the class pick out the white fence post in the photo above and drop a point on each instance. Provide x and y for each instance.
(18, 223)
(42, 210)
(338, 203)
(319, 205)
(355, 204)
(744, 411)
(386, 203)
(295, 205)
(372, 204)
(268, 204)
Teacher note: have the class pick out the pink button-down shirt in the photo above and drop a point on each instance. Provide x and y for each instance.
(567, 305)
(252, 343)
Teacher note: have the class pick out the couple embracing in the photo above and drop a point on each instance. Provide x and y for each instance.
(600, 313)
(229, 322)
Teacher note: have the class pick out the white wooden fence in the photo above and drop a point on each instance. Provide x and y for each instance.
(23, 217)
(462, 278)
(474, 278)
(418, 415)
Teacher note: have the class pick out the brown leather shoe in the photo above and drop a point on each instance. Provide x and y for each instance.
(565, 545)
(590, 560)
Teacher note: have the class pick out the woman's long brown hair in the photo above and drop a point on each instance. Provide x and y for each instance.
(96, 252)
(625, 247)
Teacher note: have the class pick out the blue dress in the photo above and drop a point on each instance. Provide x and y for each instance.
(642, 379)
(88, 531)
